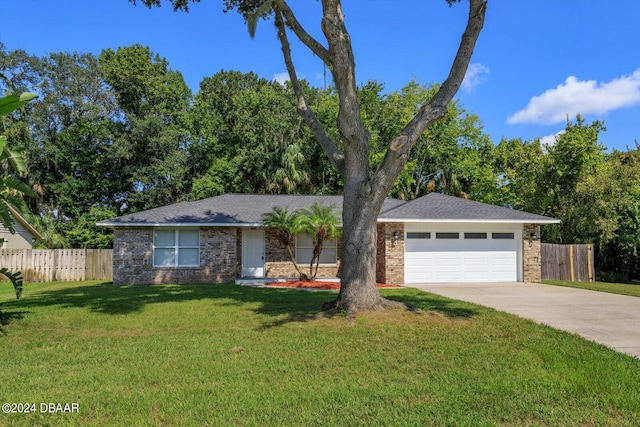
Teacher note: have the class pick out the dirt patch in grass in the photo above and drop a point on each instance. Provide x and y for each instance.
(318, 284)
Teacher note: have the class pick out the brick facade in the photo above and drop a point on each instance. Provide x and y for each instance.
(531, 266)
(221, 249)
(133, 258)
(390, 253)
(220, 258)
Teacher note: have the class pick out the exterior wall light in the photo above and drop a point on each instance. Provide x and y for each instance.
(531, 237)
(394, 240)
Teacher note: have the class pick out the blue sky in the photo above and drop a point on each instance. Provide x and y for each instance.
(535, 63)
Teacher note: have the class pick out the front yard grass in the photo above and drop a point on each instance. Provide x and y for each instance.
(230, 355)
(613, 288)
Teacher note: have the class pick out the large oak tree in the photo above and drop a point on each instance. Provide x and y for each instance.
(365, 189)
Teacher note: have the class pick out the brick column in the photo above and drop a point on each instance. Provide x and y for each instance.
(390, 253)
(532, 268)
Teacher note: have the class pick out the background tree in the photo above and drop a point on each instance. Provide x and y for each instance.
(519, 165)
(364, 188)
(92, 147)
(453, 156)
(153, 139)
(247, 137)
(66, 136)
(576, 185)
(593, 193)
(619, 258)
(69, 157)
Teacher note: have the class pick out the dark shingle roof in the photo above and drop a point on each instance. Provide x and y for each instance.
(227, 209)
(435, 207)
(247, 210)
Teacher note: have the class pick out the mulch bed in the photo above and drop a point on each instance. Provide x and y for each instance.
(317, 284)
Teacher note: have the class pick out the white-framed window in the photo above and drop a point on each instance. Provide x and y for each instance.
(503, 236)
(447, 235)
(304, 250)
(418, 235)
(475, 235)
(176, 248)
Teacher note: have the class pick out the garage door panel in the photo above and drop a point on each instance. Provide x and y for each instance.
(426, 273)
(448, 260)
(419, 256)
(460, 260)
(418, 265)
(503, 258)
(502, 261)
(476, 259)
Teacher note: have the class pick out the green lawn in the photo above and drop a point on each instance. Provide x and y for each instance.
(613, 288)
(224, 355)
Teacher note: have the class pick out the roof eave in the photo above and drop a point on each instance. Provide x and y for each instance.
(22, 220)
(259, 224)
(474, 221)
(176, 224)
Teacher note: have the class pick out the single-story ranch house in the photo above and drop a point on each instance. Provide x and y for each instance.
(434, 238)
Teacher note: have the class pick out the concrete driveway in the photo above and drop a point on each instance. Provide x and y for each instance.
(609, 319)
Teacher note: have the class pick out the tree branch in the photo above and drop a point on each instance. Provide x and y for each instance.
(352, 130)
(292, 22)
(435, 109)
(328, 145)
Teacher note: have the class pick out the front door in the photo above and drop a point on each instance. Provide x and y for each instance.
(252, 253)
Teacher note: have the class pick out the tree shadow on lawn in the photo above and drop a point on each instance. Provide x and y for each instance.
(6, 318)
(285, 305)
(413, 298)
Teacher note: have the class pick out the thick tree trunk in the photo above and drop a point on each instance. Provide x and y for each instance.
(362, 202)
(365, 192)
(358, 290)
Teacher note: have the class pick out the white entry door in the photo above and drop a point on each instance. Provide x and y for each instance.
(253, 253)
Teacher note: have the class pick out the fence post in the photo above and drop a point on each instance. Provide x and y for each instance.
(571, 264)
(590, 273)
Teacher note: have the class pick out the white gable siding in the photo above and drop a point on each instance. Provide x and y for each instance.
(23, 239)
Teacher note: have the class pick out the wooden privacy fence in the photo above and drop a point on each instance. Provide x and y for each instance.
(48, 265)
(567, 262)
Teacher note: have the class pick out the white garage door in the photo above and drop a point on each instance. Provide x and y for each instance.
(439, 256)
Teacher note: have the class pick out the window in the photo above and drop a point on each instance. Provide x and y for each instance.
(414, 235)
(475, 235)
(176, 248)
(447, 235)
(304, 250)
(504, 236)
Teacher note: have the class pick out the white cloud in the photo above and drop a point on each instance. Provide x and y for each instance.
(281, 77)
(549, 140)
(476, 74)
(580, 97)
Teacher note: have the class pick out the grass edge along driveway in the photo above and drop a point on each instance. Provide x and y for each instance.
(612, 288)
(231, 355)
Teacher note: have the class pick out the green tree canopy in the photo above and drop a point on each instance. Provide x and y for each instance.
(152, 145)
